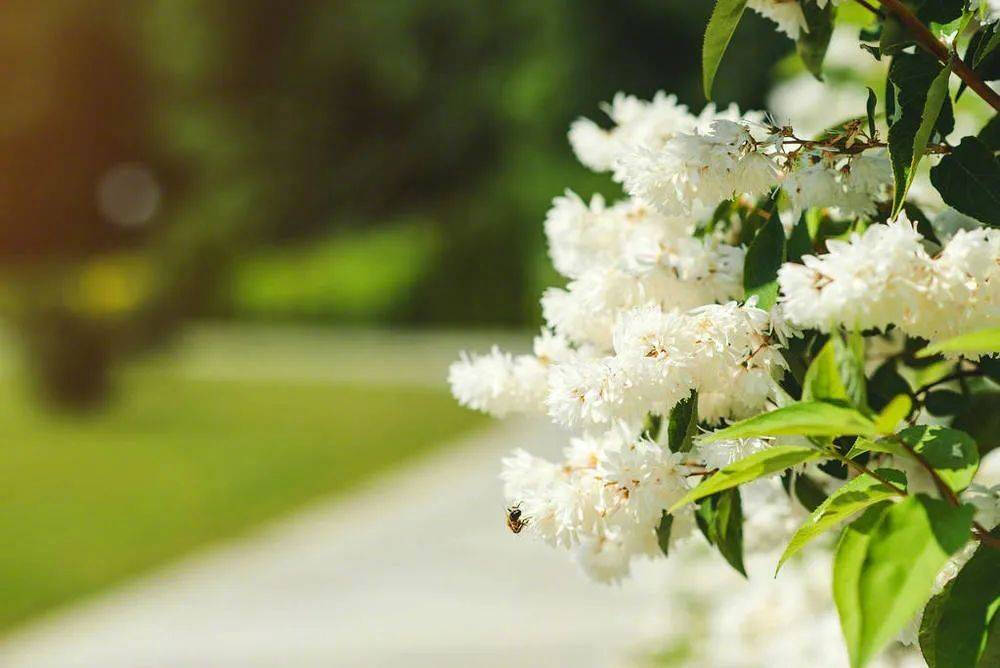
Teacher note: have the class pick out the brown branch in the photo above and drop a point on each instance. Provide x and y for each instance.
(958, 375)
(978, 530)
(926, 39)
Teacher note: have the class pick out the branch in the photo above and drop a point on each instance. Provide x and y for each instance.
(926, 39)
(978, 531)
(861, 468)
(958, 375)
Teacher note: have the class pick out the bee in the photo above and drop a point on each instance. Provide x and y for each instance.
(515, 522)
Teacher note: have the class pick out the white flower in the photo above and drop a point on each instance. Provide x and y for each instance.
(498, 383)
(723, 351)
(604, 558)
(591, 391)
(604, 501)
(638, 123)
(986, 501)
(886, 276)
(787, 14)
(698, 169)
(858, 283)
(851, 186)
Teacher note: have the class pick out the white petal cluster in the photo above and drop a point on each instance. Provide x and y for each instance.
(986, 501)
(626, 255)
(852, 186)
(724, 352)
(681, 164)
(699, 170)
(787, 14)
(886, 276)
(604, 501)
(499, 383)
(640, 123)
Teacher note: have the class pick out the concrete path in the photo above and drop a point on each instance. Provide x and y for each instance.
(416, 569)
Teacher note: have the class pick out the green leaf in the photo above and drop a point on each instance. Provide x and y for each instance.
(799, 243)
(938, 11)
(663, 532)
(683, 424)
(990, 657)
(944, 402)
(837, 372)
(887, 445)
(895, 412)
(806, 418)
(764, 257)
(950, 452)
(809, 494)
(988, 47)
(822, 379)
(813, 42)
(720, 518)
(894, 37)
(967, 611)
(721, 26)
(981, 420)
(885, 566)
(928, 625)
(849, 558)
(849, 354)
(906, 143)
(922, 222)
(990, 134)
(886, 384)
(765, 462)
(968, 179)
(870, 107)
(855, 496)
(983, 342)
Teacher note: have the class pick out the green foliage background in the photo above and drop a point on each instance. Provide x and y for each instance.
(279, 129)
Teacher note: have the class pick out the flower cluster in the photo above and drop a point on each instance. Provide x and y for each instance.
(724, 352)
(654, 312)
(886, 276)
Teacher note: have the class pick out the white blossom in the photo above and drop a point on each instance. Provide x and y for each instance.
(787, 14)
(886, 276)
(641, 124)
(851, 186)
(694, 170)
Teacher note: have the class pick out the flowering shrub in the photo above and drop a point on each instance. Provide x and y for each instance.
(768, 320)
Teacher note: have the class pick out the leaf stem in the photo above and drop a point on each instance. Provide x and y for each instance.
(926, 39)
(958, 375)
(870, 7)
(861, 468)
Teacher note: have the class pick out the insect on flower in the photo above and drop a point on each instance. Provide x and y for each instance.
(515, 522)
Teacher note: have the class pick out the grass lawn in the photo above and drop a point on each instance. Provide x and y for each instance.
(178, 461)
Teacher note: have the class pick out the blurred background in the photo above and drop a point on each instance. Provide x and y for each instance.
(241, 239)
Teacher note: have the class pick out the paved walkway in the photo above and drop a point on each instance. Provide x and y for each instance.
(416, 569)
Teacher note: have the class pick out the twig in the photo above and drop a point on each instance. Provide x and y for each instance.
(978, 530)
(958, 375)
(926, 39)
